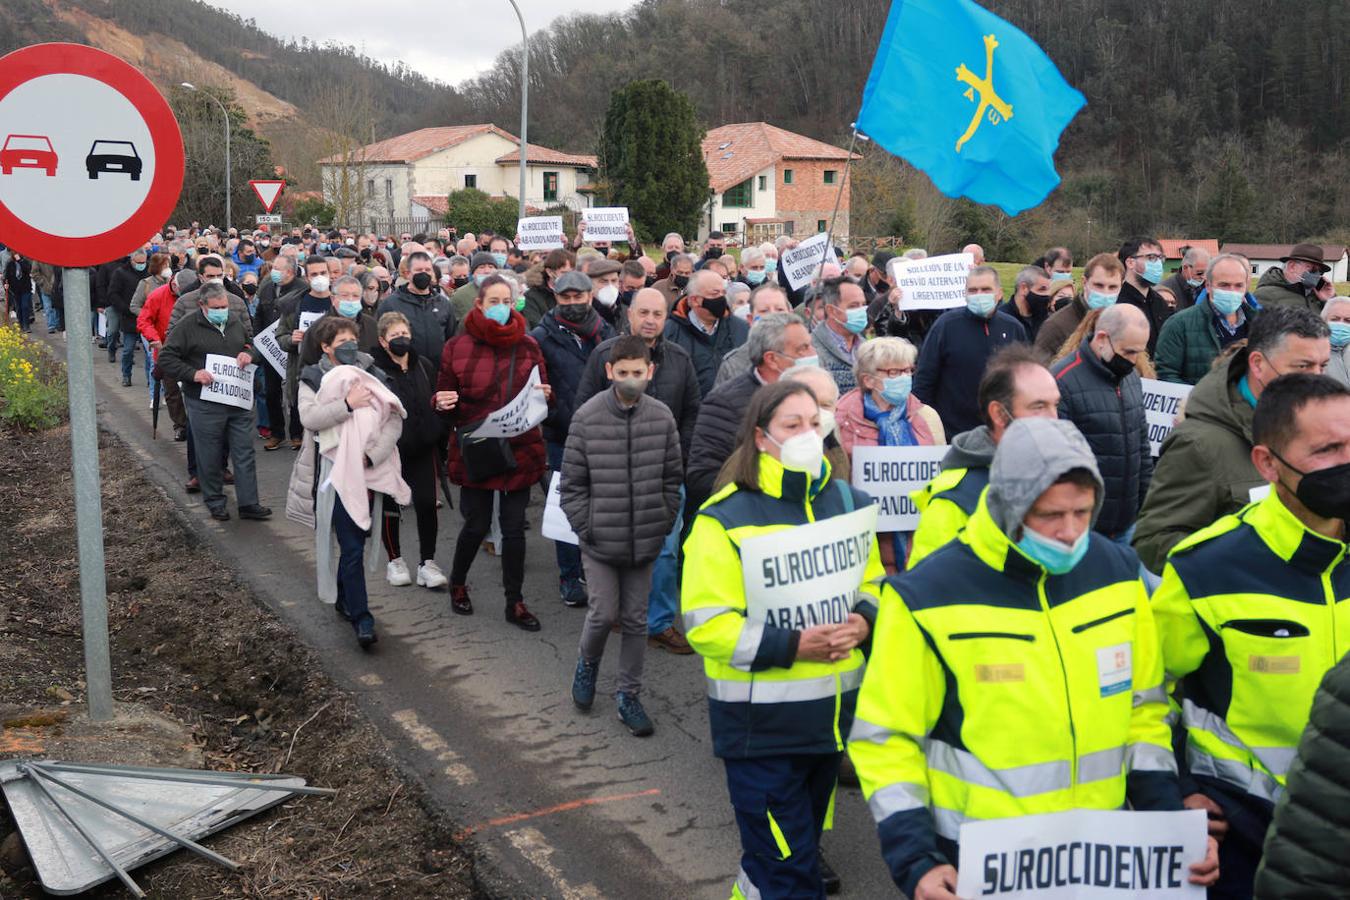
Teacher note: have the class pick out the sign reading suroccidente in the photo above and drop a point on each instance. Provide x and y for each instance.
(890, 474)
(938, 282)
(540, 232)
(230, 384)
(606, 223)
(526, 410)
(1162, 403)
(802, 263)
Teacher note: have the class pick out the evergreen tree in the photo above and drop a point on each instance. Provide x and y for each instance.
(651, 158)
(472, 210)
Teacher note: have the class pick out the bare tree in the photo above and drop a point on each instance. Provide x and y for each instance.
(345, 115)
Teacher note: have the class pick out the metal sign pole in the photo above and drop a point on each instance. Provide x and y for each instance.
(88, 499)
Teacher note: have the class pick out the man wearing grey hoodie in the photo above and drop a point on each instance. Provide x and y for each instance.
(1016, 385)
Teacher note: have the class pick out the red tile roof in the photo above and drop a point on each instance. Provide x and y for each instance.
(735, 152)
(418, 144)
(1172, 246)
(545, 156)
(1330, 252)
(439, 204)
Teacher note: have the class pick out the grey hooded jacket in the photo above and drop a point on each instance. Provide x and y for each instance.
(1032, 456)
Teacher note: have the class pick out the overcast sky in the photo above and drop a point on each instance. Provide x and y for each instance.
(451, 42)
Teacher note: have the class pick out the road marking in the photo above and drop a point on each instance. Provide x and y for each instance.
(432, 742)
(371, 680)
(551, 810)
(537, 850)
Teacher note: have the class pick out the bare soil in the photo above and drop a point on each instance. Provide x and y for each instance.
(190, 642)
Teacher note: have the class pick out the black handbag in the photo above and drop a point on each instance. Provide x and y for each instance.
(486, 458)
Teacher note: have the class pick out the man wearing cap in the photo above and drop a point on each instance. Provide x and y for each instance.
(1299, 282)
(481, 265)
(567, 334)
(1015, 671)
(604, 275)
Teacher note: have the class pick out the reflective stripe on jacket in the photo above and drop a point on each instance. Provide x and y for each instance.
(1252, 614)
(995, 690)
(762, 700)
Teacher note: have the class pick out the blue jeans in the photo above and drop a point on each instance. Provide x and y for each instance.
(54, 316)
(351, 579)
(569, 556)
(260, 397)
(664, 599)
(129, 342)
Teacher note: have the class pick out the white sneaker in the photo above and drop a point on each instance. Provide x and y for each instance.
(396, 573)
(429, 575)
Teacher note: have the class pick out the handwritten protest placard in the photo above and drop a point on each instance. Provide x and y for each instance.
(540, 232)
(1097, 854)
(606, 223)
(802, 263)
(1162, 402)
(526, 410)
(890, 474)
(938, 282)
(230, 384)
(265, 342)
(307, 319)
(808, 575)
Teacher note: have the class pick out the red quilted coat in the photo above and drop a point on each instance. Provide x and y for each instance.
(476, 364)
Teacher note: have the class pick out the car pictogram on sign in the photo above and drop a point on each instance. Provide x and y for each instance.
(27, 151)
(119, 157)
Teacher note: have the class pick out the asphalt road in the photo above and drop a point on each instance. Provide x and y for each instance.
(561, 803)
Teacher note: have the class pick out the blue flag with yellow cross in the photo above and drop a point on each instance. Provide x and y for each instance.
(970, 100)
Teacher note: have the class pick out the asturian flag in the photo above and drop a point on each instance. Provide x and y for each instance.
(970, 100)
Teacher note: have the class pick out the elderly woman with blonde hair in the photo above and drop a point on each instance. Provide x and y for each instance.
(882, 412)
(1337, 315)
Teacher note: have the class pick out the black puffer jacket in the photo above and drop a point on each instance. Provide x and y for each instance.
(566, 350)
(430, 318)
(675, 383)
(423, 429)
(621, 478)
(1305, 856)
(122, 283)
(705, 350)
(1110, 414)
(719, 421)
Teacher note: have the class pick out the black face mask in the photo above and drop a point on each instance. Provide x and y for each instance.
(249, 288)
(715, 305)
(1118, 365)
(384, 287)
(650, 280)
(671, 255)
(1326, 492)
(626, 297)
(1037, 303)
(712, 253)
(575, 313)
(680, 281)
(246, 258)
(346, 353)
(460, 280)
(604, 250)
(400, 346)
(421, 281)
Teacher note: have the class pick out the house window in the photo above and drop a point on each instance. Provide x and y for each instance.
(764, 182)
(471, 181)
(830, 176)
(550, 186)
(822, 225)
(389, 187)
(739, 196)
(789, 227)
(787, 176)
(729, 228)
(370, 187)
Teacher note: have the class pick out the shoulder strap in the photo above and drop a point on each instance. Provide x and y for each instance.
(846, 495)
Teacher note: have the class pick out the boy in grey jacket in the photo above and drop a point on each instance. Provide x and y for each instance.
(621, 475)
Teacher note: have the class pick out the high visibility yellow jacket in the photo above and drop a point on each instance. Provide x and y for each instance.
(762, 700)
(1252, 613)
(945, 505)
(995, 689)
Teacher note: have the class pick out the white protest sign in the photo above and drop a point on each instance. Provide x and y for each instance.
(230, 384)
(606, 223)
(526, 410)
(307, 319)
(1162, 402)
(555, 526)
(890, 474)
(808, 575)
(540, 232)
(938, 282)
(265, 342)
(102, 324)
(1083, 855)
(802, 262)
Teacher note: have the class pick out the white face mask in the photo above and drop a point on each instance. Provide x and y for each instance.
(166, 273)
(827, 421)
(801, 453)
(319, 284)
(607, 295)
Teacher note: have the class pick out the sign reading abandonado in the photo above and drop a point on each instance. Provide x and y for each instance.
(540, 233)
(890, 475)
(1162, 402)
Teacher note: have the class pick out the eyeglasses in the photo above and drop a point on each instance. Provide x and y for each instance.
(1148, 257)
(895, 373)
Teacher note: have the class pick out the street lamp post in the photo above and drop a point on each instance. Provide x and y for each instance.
(224, 112)
(524, 97)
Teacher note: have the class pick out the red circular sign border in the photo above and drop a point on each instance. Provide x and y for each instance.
(35, 61)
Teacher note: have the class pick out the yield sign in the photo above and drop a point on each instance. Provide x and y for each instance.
(268, 192)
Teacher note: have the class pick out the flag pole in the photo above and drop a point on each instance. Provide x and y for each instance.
(838, 199)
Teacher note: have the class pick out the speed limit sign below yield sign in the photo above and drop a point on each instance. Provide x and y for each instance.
(91, 158)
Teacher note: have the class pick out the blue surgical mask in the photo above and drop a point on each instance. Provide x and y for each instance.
(349, 308)
(770, 265)
(981, 305)
(481, 277)
(1061, 276)
(1226, 302)
(276, 276)
(812, 360)
(1153, 271)
(499, 313)
(896, 389)
(1056, 557)
(499, 259)
(1195, 283)
(1340, 334)
(755, 276)
(1100, 301)
(218, 317)
(139, 267)
(857, 320)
